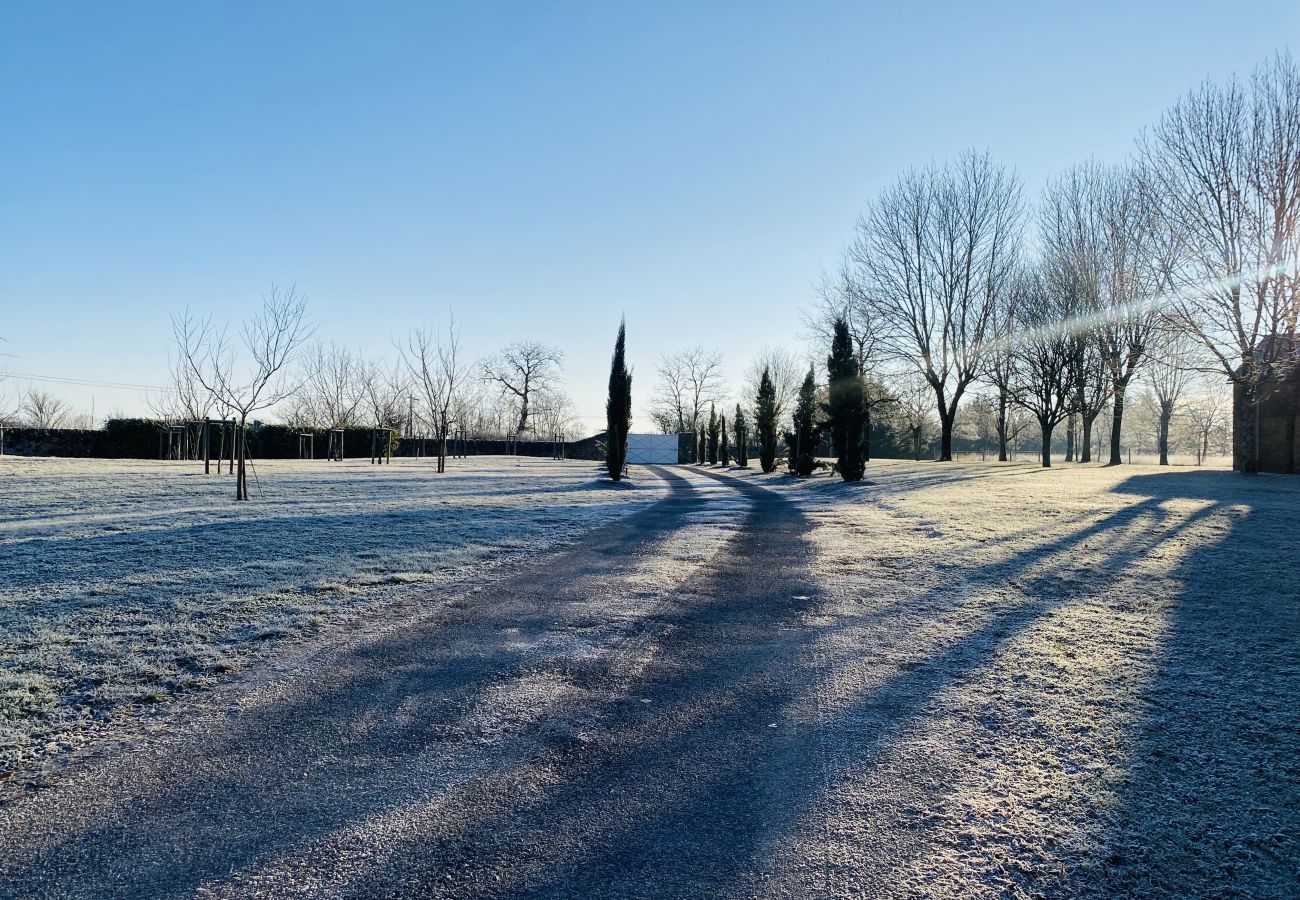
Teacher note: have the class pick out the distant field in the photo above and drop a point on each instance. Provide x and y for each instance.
(125, 582)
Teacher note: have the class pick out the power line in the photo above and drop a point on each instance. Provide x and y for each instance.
(86, 382)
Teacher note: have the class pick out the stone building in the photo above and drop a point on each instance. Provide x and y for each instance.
(1278, 426)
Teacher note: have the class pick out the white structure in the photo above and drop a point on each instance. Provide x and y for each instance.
(651, 449)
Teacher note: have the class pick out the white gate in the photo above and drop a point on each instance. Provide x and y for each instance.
(651, 449)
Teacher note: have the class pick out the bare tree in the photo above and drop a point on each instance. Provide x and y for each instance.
(1101, 255)
(787, 372)
(271, 339)
(42, 409)
(932, 257)
(1207, 414)
(439, 374)
(1223, 166)
(556, 416)
(689, 382)
(916, 411)
(1000, 369)
(333, 385)
(523, 370)
(1045, 351)
(844, 296)
(184, 402)
(1170, 360)
(385, 392)
(185, 399)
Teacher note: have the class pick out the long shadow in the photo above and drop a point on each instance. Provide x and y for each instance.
(1210, 806)
(690, 793)
(685, 795)
(707, 830)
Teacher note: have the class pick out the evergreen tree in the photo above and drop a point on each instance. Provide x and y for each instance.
(742, 438)
(618, 409)
(845, 404)
(765, 407)
(802, 442)
(713, 436)
(702, 450)
(724, 452)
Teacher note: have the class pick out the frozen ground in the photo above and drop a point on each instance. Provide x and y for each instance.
(964, 680)
(125, 582)
(1079, 681)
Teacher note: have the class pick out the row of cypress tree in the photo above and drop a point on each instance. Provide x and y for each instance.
(713, 445)
(843, 415)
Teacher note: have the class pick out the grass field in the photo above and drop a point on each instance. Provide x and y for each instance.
(1079, 681)
(126, 582)
(1082, 679)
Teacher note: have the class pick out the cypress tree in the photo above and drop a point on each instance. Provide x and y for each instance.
(742, 438)
(713, 436)
(766, 422)
(802, 442)
(618, 409)
(702, 450)
(725, 450)
(845, 404)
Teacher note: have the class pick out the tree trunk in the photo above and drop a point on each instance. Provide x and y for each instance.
(1166, 414)
(946, 420)
(1069, 439)
(1002, 426)
(866, 436)
(1085, 445)
(523, 415)
(241, 451)
(1047, 443)
(1116, 422)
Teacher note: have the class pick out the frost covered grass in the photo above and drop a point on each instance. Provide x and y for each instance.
(1079, 681)
(123, 582)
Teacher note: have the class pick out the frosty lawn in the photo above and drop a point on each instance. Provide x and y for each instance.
(1075, 681)
(952, 680)
(124, 582)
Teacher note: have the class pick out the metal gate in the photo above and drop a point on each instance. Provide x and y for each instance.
(652, 449)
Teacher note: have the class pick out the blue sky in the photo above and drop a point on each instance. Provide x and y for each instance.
(536, 167)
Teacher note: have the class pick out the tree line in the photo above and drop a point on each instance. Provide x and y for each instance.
(428, 389)
(1180, 264)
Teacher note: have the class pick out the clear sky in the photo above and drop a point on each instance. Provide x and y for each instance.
(538, 167)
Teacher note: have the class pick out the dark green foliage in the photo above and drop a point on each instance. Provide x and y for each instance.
(742, 438)
(845, 404)
(702, 448)
(714, 435)
(766, 422)
(803, 441)
(618, 409)
(724, 450)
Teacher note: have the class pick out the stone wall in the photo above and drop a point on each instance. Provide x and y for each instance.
(1278, 438)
